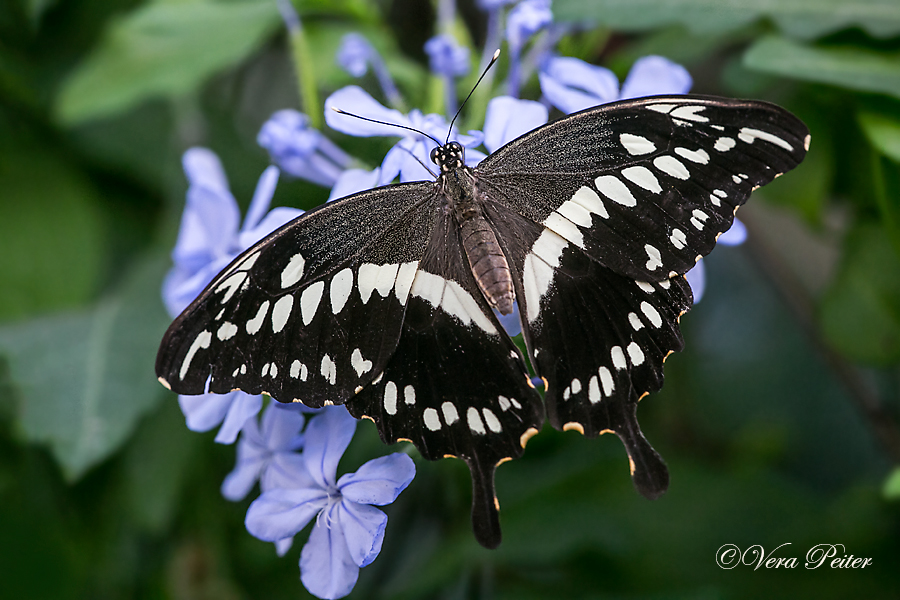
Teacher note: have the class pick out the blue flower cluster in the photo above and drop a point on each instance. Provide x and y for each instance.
(291, 451)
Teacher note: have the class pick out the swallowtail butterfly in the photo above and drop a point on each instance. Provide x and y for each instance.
(385, 301)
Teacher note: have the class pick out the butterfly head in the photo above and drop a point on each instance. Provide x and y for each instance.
(448, 157)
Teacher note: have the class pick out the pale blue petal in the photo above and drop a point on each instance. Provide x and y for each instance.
(205, 411)
(286, 470)
(282, 546)
(242, 407)
(363, 528)
(571, 84)
(181, 286)
(655, 75)
(507, 118)
(352, 181)
(735, 236)
(354, 54)
(696, 277)
(354, 99)
(211, 216)
(326, 568)
(275, 218)
(379, 481)
(281, 428)
(262, 197)
(281, 513)
(526, 19)
(446, 57)
(473, 157)
(327, 436)
(241, 480)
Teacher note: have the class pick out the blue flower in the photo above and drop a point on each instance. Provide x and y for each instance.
(449, 60)
(267, 452)
(352, 181)
(409, 158)
(356, 54)
(571, 84)
(211, 235)
(300, 150)
(232, 410)
(349, 530)
(524, 20)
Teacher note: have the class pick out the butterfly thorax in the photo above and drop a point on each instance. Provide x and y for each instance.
(456, 184)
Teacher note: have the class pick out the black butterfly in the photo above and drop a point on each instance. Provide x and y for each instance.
(384, 300)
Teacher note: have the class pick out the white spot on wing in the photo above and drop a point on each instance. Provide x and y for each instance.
(606, 380)
(255, 324)
(360, 365)
(450, 414)
(594, 390)
(281, 311)
(661, 108)
(405, 276)
(689, 113)
(341, 286)
(576, 385)
(678, 238)
(309, 301)
(328, 369)
(671, 166)
(537, 274)
(613, 188)
(409, 395)
(618, 357)
(575, 213)
(492, 421)
(387, 275)
(390, 398)
(642, 177)
(293, 272)
(432, 421)
(201, 341)
(231, 284)
(637, 145)
(226, 331)
(474, 421)
(651, 313)
(748, 134)
(698, 156)
(564, 228)
(635, 321)
(724, 144)
(590, 201)
(645, 287)
(655, 259)
(504, 403)
(635, 354)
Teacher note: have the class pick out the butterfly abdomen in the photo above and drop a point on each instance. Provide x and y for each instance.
(488, 263)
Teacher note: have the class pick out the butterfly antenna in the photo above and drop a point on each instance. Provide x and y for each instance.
(344, 112)
(483, 73)
(410, 152)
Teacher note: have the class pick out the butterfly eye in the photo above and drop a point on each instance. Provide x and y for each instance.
(435, 152)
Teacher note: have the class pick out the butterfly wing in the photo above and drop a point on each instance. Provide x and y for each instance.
(611, 206)
(645, 186)
(312, 312)
(457, 385)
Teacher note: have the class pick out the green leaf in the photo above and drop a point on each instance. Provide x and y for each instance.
(891, 489)
(163, 50)
(84, 379)
(801, 18)
(860, 314)
(157, 464)
(51, 232)
(882, 128)
(848, 67)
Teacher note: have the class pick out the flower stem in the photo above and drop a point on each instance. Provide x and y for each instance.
(303, 64)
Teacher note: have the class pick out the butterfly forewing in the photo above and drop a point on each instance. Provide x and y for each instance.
(313, 311)
(645, 186)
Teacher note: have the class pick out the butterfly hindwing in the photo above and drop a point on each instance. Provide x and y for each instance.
(293, 315)
(645, 186)
(456, 385)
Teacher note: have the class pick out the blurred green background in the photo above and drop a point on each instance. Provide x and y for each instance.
(779, 422)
